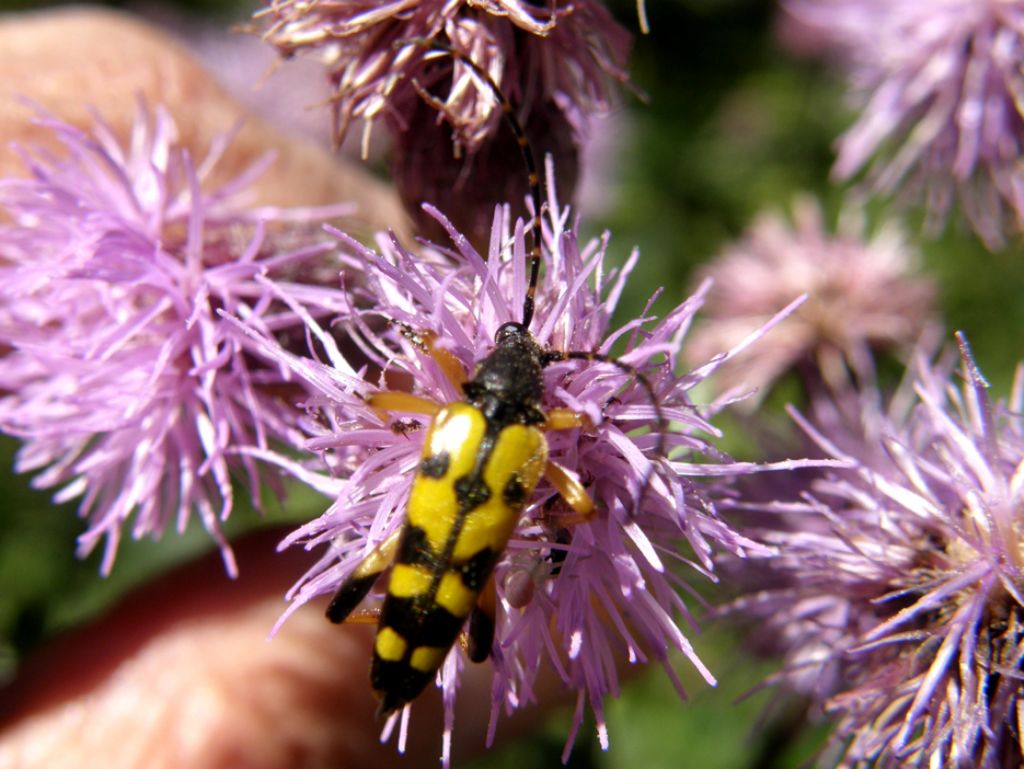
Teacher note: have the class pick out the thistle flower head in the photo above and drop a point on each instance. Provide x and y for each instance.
(125, 386)
(862, 296)
(378, 56)
(939, 87)
(898, 582)
(575, 597)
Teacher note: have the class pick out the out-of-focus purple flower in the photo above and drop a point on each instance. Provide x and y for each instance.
(290, 97)
(862, 292)
(557, 63)
(798, 37)
(126, 387)
(583, 598)
(897, 583)
(602, 163)
(470, 187)
(566, 53)
(939, 85)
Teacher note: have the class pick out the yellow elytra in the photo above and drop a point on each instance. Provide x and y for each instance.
(455, 444)
(472, 484)
(480, 463)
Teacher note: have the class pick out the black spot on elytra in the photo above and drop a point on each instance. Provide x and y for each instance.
(419, 622)
(435, 466)
(414, 548)
(397, 683)
(471, 492)
(514, 493)
(477, 569)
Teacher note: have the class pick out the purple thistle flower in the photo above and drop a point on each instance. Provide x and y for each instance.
(558, 63)
(564, 53)
(123, 383)
(939, 84)
(863, 296)
(897, 595)
(583, 597)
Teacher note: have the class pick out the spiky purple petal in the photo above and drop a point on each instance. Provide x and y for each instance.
(940, 87)
(127, 389)
(895, 588)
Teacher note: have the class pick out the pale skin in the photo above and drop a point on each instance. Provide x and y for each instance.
(181, 674)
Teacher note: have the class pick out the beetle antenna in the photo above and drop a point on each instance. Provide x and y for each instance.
(529, 159)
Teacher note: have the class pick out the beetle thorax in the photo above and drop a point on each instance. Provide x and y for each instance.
(508, 384)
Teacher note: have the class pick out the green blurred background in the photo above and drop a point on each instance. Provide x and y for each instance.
(732, 124)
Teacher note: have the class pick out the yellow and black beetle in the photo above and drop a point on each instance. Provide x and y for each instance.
(482, 459)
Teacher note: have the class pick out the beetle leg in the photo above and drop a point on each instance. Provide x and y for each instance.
(565, 419)
(354, 589)
(397, 400)
(573, 492)
(363, 617)
(568, 486)
(480, 636)
(425, 341)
